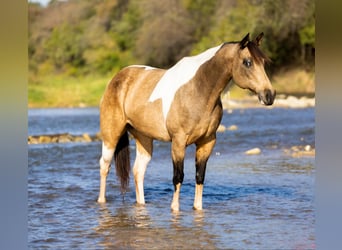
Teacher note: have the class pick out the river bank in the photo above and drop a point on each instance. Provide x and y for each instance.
(294, 151)
(281, 101)
(65, 91)
(232, 107)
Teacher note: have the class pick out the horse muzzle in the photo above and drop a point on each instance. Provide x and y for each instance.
(267, 96)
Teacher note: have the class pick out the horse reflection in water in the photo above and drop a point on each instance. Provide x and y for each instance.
(181, 105)
(131, 227)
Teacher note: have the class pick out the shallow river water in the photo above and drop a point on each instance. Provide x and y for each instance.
(263, 201)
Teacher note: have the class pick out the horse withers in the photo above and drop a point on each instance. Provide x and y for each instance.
(181, 105)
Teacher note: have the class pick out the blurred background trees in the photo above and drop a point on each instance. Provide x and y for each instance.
(96, 37)
(87, 36)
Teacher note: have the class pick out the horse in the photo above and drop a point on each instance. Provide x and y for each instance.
(181, 105)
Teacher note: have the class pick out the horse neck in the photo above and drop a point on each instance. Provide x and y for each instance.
(214, 75)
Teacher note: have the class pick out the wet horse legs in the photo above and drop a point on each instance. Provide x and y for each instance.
(144, 148)
(203, 151)
(106, 159)
(178, 154)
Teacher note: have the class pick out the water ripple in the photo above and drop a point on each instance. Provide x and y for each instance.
(250, 202)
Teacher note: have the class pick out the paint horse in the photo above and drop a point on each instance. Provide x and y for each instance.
(181, 105)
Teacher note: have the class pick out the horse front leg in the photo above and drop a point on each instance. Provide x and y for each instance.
(178, 154)
(203, 151)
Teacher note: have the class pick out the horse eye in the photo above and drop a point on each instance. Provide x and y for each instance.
(247, 62)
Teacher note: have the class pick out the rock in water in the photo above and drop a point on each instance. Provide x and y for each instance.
(232, 128)
(221, 128)
(253, 151)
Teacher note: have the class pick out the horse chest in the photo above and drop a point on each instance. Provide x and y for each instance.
(196, 124)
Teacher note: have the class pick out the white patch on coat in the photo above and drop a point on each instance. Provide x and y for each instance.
(178, 75)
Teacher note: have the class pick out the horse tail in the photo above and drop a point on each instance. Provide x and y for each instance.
(122, 161)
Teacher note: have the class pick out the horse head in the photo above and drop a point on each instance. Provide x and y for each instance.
(249, 72)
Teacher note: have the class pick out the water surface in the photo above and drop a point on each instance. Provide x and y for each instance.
(262, 201)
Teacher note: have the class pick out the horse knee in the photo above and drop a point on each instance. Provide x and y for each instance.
(104, 167)
(106, 159)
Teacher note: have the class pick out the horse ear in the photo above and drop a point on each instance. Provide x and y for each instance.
(258, 39)
(244, 41)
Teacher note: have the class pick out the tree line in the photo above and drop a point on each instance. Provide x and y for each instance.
(77, 37)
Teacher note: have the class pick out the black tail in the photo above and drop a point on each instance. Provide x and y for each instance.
(122, 161)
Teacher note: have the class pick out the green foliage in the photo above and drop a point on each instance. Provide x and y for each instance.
(282, 22)
(125, 29)
(95, 37)
(65, 46)
(307, 35)
(235, 22)
(201, 13)
(165, 34)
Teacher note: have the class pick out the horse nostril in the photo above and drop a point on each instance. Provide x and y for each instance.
(269, 96)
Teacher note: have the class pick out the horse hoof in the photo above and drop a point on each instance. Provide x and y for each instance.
(138, 204)
(174, 208)
(101, 200)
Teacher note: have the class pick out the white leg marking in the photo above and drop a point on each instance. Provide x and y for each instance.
(198, 197)
(139, 169)
(178, 75)
(175, 200)
(106, 158)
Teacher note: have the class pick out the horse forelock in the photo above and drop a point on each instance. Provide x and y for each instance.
(257, 54)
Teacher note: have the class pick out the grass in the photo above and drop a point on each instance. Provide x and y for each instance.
(294, 81)
(67, 91)
(64, 91)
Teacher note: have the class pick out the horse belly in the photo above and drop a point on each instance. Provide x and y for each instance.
(146, 119)
(143, 115)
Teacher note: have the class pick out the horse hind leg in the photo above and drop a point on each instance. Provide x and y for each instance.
(105, 161)
(144, 147)
(111, 137)
(122, 164)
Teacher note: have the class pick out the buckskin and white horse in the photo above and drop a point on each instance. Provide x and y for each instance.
(181, 105)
